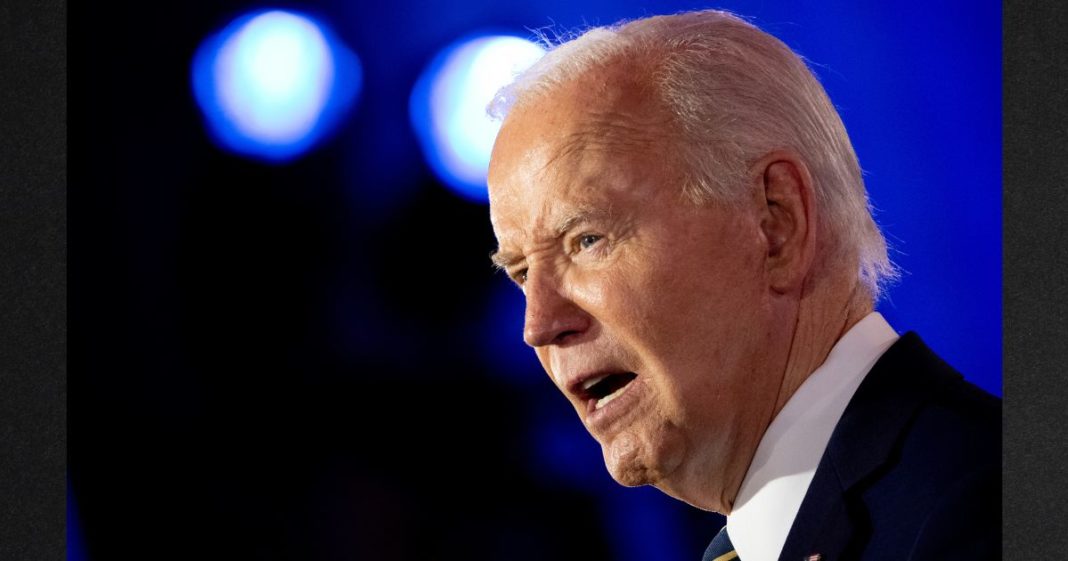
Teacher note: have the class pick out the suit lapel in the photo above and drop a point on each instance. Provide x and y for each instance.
(832, 521)
(823, 525)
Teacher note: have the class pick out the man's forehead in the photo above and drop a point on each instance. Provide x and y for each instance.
(539, 143)
(611, 105)
(566, 151)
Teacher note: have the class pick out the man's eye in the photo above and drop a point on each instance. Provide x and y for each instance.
(520, 277)
(587, 240)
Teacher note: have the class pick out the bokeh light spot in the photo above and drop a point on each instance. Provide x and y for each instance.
(272, 84)
(448, 106)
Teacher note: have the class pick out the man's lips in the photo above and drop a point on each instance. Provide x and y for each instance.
(598, 389)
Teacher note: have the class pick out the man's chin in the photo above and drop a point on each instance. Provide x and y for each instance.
(630, 463)
(631, 476)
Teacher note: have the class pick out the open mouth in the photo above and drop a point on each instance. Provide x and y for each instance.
(599, 391)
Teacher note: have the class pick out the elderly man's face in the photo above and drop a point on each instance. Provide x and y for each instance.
(649, 312)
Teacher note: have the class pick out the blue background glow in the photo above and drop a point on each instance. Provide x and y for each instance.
(292, 343)
(449, 102)
(272, 84)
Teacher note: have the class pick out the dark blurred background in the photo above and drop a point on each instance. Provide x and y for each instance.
(311, 358)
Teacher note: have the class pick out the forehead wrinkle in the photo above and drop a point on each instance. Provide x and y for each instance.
(615, 129)
(610, 130)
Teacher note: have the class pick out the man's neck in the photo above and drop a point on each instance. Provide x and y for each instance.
(820, 324)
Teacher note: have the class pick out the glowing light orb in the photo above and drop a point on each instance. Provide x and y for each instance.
(448, 106)
(272, 84)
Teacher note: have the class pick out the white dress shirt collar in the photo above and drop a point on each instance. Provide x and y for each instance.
(791, 448)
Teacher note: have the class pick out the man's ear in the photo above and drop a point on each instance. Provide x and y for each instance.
(788, 217)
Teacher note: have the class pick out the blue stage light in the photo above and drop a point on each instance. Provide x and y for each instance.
(448, 106)
(272, 84)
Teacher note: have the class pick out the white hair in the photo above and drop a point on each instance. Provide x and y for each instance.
(735, 93)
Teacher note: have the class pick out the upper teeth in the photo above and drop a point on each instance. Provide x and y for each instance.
(593, 381)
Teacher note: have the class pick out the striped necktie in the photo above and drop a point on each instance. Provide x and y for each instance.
(721, 548)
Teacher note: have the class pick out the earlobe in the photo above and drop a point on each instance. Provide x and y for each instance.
(788, 221)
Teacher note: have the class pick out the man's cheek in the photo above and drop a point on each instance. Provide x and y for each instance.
(543, 359)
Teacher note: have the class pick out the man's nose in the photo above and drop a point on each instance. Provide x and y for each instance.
(552, 316)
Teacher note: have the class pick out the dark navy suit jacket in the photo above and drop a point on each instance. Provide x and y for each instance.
(912, 470)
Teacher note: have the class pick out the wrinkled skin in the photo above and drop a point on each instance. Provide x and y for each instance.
(622, 273)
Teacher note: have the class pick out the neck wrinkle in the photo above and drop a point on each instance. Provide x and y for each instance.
(818, 327)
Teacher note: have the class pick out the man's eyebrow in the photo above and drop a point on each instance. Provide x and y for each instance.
(503, 259)
(581, 216)
(572, 220)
